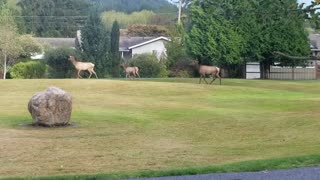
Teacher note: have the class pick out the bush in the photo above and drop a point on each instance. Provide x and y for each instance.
(28, 70)
(57, 59)
(148, 64)
(182, 69)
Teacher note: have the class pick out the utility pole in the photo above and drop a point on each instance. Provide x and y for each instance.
(179, 13)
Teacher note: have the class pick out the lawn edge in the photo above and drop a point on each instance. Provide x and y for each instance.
(243, 166)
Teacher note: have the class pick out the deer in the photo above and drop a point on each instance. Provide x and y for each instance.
(130, 70)
(206, 70)
(85, 66)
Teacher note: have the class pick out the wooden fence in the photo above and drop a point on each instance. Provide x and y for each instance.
(297, 73)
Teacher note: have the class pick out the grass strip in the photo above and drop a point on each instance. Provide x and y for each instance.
(244, 166)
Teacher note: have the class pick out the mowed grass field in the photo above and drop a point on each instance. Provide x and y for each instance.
(158, 124)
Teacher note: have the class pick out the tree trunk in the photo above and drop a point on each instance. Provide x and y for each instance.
(5, 66)
(179, 13)
(264, 69)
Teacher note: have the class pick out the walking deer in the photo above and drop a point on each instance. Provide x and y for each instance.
(130, 70)
(85, 66)
(206, 70)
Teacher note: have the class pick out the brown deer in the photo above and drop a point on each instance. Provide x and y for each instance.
(130, 70)
(85, 66)
(206, 70)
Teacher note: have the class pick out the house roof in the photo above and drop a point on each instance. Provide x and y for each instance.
(58, 42)
(126, 43)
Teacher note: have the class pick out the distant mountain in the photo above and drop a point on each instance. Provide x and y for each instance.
(129, 6)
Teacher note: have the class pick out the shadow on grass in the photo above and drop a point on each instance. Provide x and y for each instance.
(36, 125)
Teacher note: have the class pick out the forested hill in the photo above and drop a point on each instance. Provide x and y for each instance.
(62, 18)
(130, 6)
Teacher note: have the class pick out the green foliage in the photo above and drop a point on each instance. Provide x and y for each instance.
(29, 46)
(148, 64)
(96, 44)
(57, 59)
(130, 6)
(10, 44)
(28, 70)
(114, 50)
(125, 20)
(176, 49)
(182, 69)
(213, 39)
(227, 32)
(53, 18)
(147, 30)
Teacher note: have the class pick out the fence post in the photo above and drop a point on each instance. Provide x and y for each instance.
(292, 72)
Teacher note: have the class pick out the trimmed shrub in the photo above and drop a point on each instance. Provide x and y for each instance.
(148, 64)
(28, 70)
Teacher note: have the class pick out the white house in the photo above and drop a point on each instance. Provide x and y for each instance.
(130, 46)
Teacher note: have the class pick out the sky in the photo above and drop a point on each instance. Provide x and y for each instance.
(304, 1)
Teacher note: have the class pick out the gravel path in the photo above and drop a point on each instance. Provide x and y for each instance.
(310, 173)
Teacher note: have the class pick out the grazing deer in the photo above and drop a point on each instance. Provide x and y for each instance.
(85, 66)
(130, 70)
(206, 70)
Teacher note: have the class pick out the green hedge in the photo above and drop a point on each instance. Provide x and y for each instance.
(28, 70)
(149, 66)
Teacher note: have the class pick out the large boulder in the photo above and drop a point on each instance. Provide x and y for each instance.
(51, 107)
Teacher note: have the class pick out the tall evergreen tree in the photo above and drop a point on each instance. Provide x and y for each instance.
(228, 30)
(114, 49)
(213, 39)
(96, 43)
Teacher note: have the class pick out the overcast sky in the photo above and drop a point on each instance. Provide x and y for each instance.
(304, 1)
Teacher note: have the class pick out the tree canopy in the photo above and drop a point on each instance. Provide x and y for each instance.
(227, 31)
(53, 18)
(130, 6)
(96, 43)
(12, 44)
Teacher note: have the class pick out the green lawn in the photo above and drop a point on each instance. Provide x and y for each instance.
(158, 124)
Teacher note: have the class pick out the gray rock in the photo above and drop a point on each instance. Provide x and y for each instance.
(51, 107)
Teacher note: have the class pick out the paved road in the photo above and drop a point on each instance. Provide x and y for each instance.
(312, 173)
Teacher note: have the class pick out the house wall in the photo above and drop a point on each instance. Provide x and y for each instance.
(157, 47)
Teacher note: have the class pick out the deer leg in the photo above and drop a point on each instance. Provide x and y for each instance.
(79, 76)
(200, 79)
(90, 74)
(204, 78)
(137, 72)
(213, 78)
(95, 74)
(219, 77)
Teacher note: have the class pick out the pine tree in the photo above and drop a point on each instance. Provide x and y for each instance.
(114, 49)
(96, 43)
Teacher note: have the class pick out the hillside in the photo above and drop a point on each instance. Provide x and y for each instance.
(130, 6)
